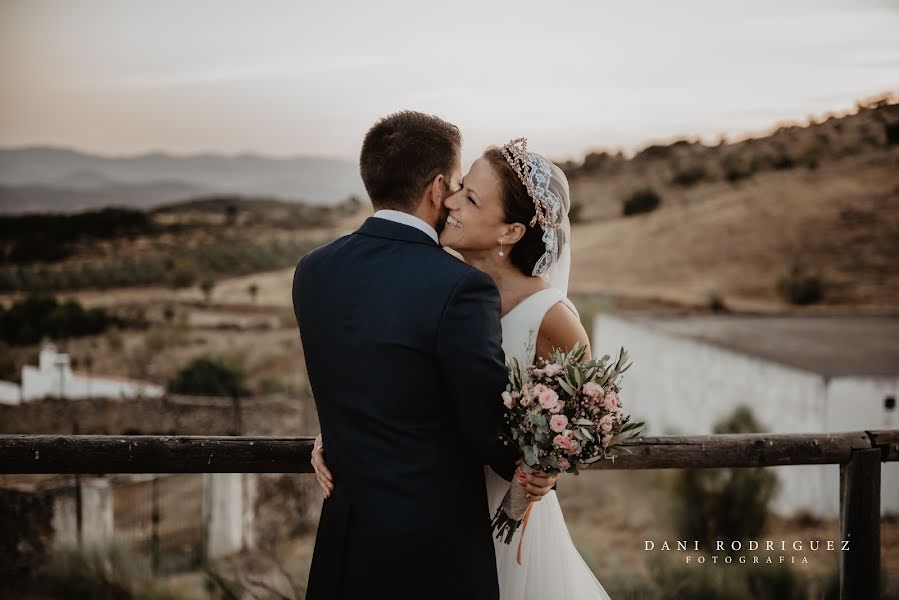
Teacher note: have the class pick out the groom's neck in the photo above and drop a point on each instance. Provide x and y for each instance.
(428, 217)
(421, 212)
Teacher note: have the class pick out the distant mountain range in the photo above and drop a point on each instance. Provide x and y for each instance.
(46, 179)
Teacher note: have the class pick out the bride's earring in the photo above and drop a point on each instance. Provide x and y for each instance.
(501, 253)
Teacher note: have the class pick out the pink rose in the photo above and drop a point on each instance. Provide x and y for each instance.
(564, 464)
(574, 447)
(548, 399)
(515, 394)
(526, 395)
(537, 372)
(605, 423)
(558, 423)
(611, 401)
(592, 389)
(507, 399)
(562, 441)
(552, 369)
(605, 441)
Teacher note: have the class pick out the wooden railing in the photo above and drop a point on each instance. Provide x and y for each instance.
(859, 454)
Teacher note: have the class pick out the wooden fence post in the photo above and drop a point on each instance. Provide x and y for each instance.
(155, 516)
(860, 525)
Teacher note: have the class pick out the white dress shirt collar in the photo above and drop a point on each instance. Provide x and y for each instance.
(410, 220)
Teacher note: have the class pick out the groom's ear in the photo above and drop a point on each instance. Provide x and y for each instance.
(435, 191)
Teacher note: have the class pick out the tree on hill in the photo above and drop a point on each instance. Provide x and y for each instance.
(209, 376)
(207, 285)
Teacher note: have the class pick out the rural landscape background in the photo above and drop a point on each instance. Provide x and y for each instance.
(802, 219)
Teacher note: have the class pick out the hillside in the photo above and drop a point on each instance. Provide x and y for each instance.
(61, 180)
(830, 206)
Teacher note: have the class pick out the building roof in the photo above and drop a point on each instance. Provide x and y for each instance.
(833, 346)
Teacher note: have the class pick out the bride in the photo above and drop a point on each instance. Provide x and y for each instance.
(510, 220)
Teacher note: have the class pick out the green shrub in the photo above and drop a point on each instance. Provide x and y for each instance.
(735, 169)
(724, 582)
(38, 316)
(640, 201)
(729, 504)
(209, 376)
(689, 175)
(801, 286)
(110, 571)
(891, 132)
(715, 302)
(783, 161)
(207, 285)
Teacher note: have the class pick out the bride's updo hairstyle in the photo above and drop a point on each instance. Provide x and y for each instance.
(517, 208)
(547, 188)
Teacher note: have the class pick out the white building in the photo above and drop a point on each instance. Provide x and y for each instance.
(54, 377)
(797, 374)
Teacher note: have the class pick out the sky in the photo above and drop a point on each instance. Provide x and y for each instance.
(308, 78)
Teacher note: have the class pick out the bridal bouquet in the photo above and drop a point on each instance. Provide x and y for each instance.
(563, 413)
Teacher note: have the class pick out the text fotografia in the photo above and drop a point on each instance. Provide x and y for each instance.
(738, 546)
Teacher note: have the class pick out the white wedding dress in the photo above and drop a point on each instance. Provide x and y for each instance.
(551, 566)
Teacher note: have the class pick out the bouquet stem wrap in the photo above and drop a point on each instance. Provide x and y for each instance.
(511, 510)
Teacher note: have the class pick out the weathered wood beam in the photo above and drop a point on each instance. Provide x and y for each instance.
(66, 454)
(197, 454)
(738, 450)
(888, 442)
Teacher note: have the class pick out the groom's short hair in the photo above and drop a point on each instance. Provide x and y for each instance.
(401, 155)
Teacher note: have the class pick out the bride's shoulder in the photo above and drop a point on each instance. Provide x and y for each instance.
(561, 328)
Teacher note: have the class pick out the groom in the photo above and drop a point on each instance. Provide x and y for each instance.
(403, 350)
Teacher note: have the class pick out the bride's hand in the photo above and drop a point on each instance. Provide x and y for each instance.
(322, 474)
(536, 484)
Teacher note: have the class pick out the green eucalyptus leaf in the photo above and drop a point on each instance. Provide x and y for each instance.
(538, 420)
(567, 387)
(530, 457)
(579, 378)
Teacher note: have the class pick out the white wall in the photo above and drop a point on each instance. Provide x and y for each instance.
(54, 377)
(855, 403)
(10, 393)
(681, 386)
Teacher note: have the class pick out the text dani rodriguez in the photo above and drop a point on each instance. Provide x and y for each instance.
(781, 551)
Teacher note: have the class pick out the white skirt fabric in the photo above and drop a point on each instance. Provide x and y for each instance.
(551, 566)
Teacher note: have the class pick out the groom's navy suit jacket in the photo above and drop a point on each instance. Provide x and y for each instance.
(403, 350)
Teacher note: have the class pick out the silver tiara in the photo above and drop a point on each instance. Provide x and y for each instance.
(536, 174)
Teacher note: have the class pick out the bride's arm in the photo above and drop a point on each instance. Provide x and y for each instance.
(561, 329)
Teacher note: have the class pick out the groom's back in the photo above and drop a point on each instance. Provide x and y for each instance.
(373, 314)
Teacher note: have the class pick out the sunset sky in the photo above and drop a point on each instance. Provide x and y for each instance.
(300, 77)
